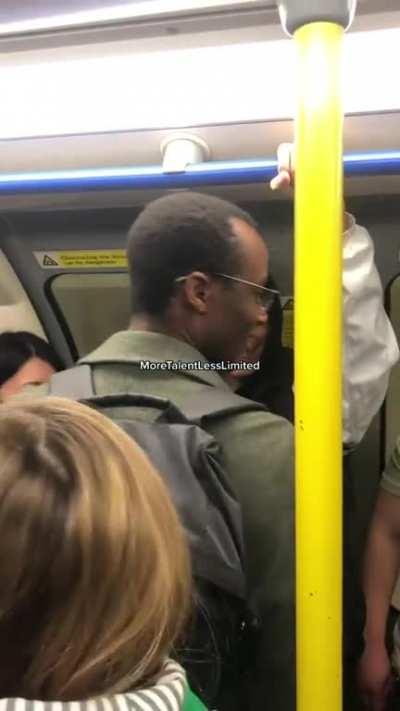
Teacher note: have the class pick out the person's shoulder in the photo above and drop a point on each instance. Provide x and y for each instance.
(256, 434)
(265, 430)
(256, 418)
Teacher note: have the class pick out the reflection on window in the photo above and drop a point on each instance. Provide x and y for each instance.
(93, 306)
(393, 396)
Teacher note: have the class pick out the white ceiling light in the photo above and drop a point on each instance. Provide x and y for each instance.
(113, 87)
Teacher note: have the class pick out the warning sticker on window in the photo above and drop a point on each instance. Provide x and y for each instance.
(83, 259)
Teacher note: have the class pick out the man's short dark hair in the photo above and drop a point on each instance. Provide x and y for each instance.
(16, 348)
(175, 235)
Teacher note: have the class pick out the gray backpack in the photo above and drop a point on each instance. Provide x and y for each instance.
(191, 463)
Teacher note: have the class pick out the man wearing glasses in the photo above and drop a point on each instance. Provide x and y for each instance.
(263, 295)
(199, 269)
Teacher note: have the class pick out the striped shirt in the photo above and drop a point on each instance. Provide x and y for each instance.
(167, 695)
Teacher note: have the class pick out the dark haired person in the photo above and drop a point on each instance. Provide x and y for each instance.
(25, 359)
(199, 274)
(198, 269)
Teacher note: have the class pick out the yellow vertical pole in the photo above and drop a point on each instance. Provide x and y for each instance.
(318, 300)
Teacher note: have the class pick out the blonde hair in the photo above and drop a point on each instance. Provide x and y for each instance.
(95, 576)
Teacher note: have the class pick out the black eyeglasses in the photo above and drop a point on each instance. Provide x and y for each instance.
(265, 297)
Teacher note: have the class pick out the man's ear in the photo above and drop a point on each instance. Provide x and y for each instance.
(197, 289)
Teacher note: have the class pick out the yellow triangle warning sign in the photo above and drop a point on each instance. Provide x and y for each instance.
(82, 258)
(49, 261)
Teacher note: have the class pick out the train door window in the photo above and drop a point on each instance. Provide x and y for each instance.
(392, 405)
(16, 310)
(91, 306)
(392, 410)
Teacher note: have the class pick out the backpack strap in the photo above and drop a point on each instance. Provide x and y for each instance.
(77, 384)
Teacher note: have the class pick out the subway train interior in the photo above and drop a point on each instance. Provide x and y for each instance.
(96, 86)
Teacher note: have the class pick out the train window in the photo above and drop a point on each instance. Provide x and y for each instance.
(392, 420)
(392, 429)
(93, 306)
(16, 310)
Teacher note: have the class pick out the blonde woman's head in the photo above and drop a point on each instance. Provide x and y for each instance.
(94, 571)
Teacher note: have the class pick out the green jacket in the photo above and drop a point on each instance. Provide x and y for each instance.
(192, 702)
(258, 454)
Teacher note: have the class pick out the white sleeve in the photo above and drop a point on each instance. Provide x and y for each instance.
(370, 346)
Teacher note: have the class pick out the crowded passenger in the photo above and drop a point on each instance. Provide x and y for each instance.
(370, 347)
(381, 569)
(199, 270)
(25, 359)
(183, 311)
(370, 350)
(95, 575)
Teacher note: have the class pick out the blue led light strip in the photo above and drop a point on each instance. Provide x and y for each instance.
(153, 177)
